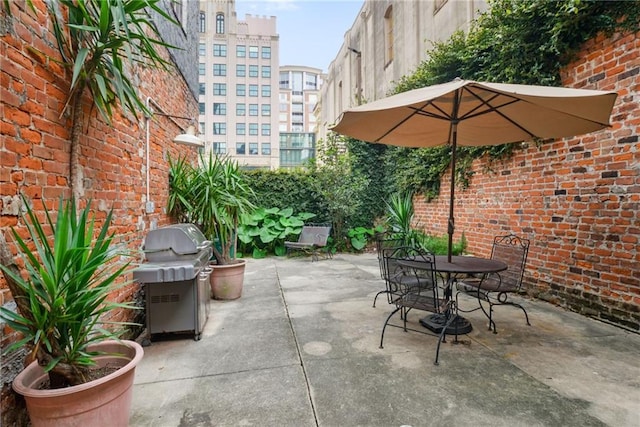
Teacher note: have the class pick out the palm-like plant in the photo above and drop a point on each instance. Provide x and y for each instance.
(63, 301)
(214, 196)
(100, 43)
(400, 213)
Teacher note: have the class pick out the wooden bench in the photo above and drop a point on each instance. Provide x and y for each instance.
(312, 238)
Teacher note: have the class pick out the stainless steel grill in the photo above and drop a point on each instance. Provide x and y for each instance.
(176, 279)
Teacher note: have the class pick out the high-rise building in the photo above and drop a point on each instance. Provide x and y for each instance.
(238, 84)
(250, 108)
(299, 88)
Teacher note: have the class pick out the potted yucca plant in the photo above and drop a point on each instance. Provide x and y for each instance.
(62, 314)
(213, 195)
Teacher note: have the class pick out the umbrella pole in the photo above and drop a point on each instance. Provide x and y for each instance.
(451, 225)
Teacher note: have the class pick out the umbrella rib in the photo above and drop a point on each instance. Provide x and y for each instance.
(416, 110)
(494, 109)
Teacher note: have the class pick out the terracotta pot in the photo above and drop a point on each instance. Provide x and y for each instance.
(227, 280)
(107, 399)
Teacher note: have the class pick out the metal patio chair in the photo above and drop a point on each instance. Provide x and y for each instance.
(494, 288)
(384, 245)
(413, 289)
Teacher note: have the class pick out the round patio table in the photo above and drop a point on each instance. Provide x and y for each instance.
(459, 265)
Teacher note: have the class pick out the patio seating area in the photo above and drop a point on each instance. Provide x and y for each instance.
(301, 348)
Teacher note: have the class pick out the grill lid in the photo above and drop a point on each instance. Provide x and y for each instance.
(175, 242)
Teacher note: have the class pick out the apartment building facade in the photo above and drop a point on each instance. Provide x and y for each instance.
(299, 89)
(249, 108)
(238, 84)
(387, 40)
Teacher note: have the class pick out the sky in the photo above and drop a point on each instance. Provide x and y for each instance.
(311, 31)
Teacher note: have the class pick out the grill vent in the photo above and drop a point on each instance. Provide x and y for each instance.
(163, 299)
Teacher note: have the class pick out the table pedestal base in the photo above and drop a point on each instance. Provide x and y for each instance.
(435, 322)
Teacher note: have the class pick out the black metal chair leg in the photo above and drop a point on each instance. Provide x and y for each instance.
(385, 325)
(376, 297)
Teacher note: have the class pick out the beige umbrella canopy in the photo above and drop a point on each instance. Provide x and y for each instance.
(469, 113)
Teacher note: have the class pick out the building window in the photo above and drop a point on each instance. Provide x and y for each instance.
(266, 129)
(241, 51)
(201, 128)
(220, 50)
(266, 109)
(219, 69)
(310, 81)
(266, 149)
(202, 89)
(253, 148)
(203, 22)
(202, 49)
(241, 70)
(220, 147)
(219, 109)
(388, 35)
(241, 109)
(253, 51)
(266, 71)
(240, 148)
(201, 69)
(284, 80)
(266, 52)
(241, 129)
(253, 129)
(253, 109)
(220, 89)
(253, 71)
(220, 23)
(241, 90)
(253, 90)
(297, 107)
(201, 108)
(219, 128)
(266, 91)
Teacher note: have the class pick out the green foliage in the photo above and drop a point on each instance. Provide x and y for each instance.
(213, 196)
(360, 236)
(100, 41)
(439, 244)
(285, 188)
(400, 213)
(264, 231)
(366, 160)
(340, 185)
(64, 298)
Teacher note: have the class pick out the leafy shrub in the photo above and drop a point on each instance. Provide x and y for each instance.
(264, 231)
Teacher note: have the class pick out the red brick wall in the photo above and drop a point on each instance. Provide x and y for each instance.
(34, 151)
(577, 199)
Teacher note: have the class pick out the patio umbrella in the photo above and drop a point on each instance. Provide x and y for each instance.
(470, 113)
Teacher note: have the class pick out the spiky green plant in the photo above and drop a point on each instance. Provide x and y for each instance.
(100, 43)
(213, 195)
(63, 300)
(400, 213)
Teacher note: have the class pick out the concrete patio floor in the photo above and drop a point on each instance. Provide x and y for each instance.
(301, 348)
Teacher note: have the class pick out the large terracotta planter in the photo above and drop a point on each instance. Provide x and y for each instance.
(227, 280)
(105, 400)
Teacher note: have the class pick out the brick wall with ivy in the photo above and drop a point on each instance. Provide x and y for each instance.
(577, 199)
(34, 155)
